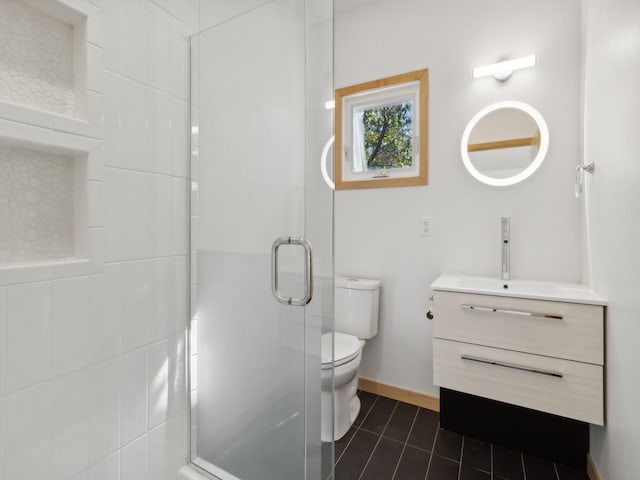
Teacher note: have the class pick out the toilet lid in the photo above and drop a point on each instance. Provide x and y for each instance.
(346, 348)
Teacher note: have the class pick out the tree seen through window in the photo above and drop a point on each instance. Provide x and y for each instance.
(388, 134)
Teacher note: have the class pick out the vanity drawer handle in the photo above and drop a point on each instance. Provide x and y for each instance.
(511, 312)
(550, 373)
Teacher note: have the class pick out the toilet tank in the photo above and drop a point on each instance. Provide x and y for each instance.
(356, 306)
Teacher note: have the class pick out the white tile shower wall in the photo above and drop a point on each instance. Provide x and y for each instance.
(92, 360)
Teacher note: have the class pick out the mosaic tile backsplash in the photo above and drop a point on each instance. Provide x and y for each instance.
(36, 59)
(36, 205)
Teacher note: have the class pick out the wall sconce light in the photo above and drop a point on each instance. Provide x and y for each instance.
(503, 70)
(330, 104)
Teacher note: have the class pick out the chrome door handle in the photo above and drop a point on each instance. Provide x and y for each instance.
(514, 366)
(308, 271)
(507, 311)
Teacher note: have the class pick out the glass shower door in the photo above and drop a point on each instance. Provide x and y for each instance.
(255, 338)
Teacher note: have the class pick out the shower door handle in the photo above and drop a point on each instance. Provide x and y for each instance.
(308, 271)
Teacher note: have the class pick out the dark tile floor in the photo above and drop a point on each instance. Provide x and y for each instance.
(392, 440)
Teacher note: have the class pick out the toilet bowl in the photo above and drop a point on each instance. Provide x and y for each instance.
(356, 320)
(340, 403)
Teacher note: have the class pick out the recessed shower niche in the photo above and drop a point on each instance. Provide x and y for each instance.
(43, 51)
(43, 213)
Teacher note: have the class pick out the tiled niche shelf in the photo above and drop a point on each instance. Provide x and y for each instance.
(36, 52)
(37, 204)
(51, 197)
(50, 64)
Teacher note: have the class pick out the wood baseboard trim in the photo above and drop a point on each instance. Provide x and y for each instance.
(401, 394)
(592, 470)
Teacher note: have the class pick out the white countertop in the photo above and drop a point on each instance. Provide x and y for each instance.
(553, 291)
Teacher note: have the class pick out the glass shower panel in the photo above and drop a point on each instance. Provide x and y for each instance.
(255, 363)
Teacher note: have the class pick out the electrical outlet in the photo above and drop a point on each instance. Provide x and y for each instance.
(426, 227)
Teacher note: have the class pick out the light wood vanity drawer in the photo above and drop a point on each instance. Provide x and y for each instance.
(557, 329)
(561, 387)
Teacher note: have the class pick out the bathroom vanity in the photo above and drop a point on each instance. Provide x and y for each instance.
(520, 359)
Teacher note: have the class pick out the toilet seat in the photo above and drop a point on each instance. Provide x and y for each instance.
(346, 348)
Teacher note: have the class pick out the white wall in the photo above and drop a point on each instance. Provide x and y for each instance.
(96, 358)
(377, 230)
(612, 116)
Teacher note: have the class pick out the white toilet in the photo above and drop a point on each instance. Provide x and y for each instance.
(356, 320)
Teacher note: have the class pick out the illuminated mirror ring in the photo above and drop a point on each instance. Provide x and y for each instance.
(526, 172)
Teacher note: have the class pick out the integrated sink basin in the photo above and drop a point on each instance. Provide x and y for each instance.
(554, 291)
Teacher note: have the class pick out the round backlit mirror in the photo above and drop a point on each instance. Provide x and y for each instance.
(504, 143)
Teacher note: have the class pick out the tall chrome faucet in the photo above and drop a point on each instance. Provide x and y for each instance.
(506, 254)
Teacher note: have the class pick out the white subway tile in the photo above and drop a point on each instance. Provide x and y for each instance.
(159, 113)
(106, 313)
(112, 35)
(158, 378)
(177, 376)
(133, 460)
(159, 47)
(133, 215)
(112, 100)
(180, 291)
(95, 68)
(159, 219)
(70, 325)
(95, 193)
(95, 248)
(133, 35)
(27, 433)
(70, 425)
(167, 448)
(108, 469)
(186, 11)
(179, 58)
(137, 304)
(179, 213)
(28, 335)
(179, 138)
(112, 220)
(133, 125)
(166, 4)
(134, 396)
(104, 387)
(163, 305)
(95, 26)
(95, 115)
(95, 163)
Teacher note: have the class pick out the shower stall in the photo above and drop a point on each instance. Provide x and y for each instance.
(261, 239)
